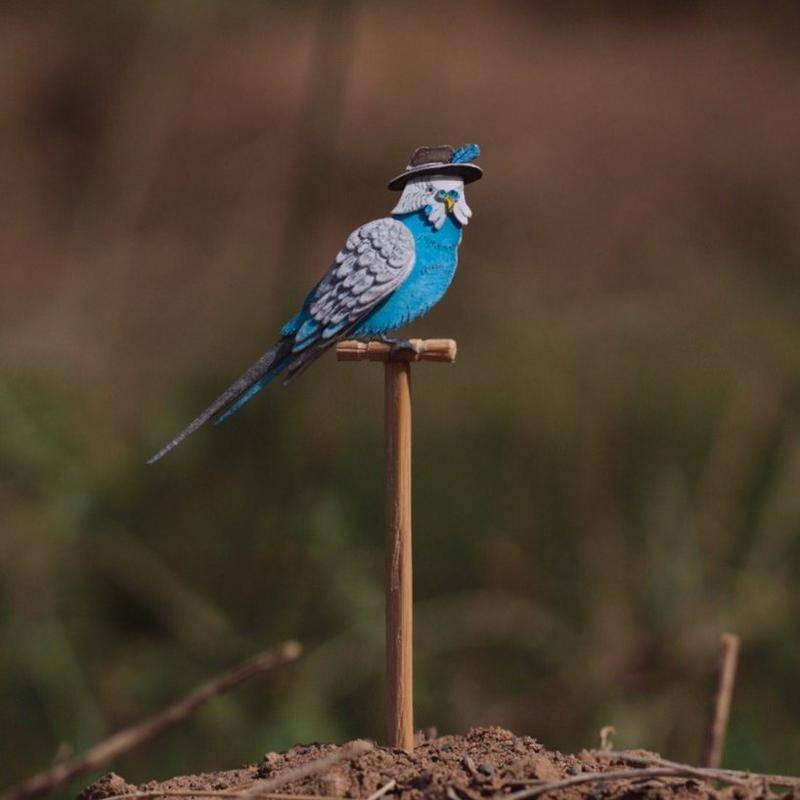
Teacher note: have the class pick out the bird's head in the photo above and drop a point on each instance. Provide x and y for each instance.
(434, 182)
(437, 196)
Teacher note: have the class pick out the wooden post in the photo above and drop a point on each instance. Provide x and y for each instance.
(399, 625)
(399, 613)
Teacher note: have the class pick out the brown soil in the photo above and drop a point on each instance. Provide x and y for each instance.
(484, 763)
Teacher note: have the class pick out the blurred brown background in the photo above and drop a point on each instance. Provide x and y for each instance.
(606, 479)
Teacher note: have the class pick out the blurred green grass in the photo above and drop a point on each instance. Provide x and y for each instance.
(604, 481)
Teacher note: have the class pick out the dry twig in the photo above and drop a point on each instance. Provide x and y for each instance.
(732, 776)
(131, 737)
(152, 794)
(596, 777)
(387, 787)
(469, 765)
(263, 789)
(606, 732)
(726, 676)
(345, 752)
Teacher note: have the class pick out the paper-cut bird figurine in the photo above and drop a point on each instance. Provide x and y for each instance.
(389, 272)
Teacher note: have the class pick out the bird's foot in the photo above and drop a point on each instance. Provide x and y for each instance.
(397, 346)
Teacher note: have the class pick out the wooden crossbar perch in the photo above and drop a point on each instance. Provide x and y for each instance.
(399, 627)
(443, 350)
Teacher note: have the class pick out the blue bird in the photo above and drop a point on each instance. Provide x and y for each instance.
(390, 272)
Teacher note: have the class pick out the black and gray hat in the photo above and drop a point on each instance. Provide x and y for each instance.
(441, 159)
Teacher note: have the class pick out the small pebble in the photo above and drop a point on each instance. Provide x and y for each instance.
(573, 770)
(486, 769)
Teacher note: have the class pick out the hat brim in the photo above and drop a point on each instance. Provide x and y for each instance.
(469, 172)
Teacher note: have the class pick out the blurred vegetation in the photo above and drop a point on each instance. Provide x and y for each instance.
(604, 481)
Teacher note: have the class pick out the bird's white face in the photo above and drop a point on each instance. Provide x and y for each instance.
(438, 196)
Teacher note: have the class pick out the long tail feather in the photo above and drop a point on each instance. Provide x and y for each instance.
(269, 365)
(252, 391)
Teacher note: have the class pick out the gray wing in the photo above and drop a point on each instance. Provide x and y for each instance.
(375, 260)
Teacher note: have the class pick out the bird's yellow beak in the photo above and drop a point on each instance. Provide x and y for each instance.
(449, 202)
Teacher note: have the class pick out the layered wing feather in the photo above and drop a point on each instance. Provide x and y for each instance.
(375, 260)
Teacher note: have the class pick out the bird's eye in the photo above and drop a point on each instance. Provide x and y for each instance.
(440, 195)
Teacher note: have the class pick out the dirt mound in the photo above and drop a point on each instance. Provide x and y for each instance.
(483, 764)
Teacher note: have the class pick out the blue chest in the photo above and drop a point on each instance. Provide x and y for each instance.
(434, 266)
